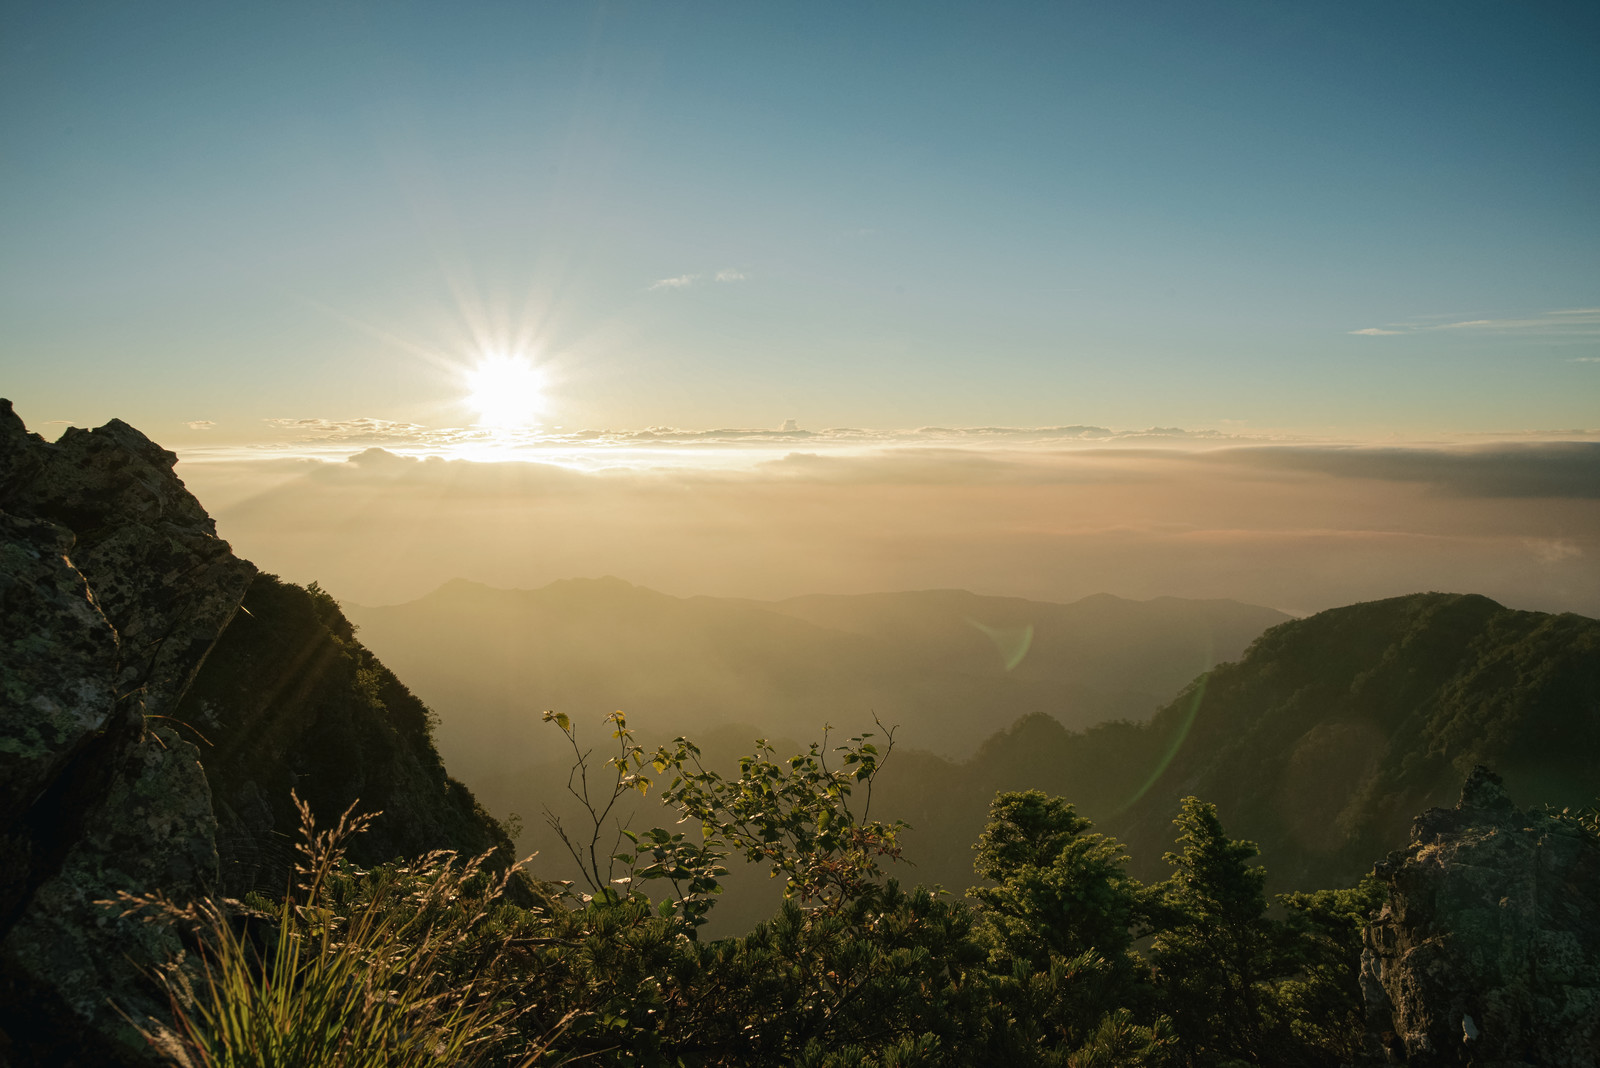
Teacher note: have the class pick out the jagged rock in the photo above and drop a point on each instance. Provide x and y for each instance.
(150, 553)
(1488, 951)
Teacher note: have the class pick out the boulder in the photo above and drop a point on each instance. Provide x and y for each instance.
(1488, 951)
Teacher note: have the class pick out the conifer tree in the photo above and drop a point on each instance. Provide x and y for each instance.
(1213, 956)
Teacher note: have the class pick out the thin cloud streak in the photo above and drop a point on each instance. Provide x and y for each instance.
(1569, 322)
(684, 281)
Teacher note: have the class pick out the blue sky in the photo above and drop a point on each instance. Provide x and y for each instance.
(1010, 214)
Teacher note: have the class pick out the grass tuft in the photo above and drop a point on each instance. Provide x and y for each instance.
(390, 968)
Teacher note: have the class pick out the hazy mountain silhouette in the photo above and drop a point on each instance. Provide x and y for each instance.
(949, 667)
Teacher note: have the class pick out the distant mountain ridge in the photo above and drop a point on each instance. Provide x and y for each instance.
(950, 667)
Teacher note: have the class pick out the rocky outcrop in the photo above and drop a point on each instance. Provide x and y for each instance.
(1488, 951)
(113, 587)
(128, 729)
(163, 579)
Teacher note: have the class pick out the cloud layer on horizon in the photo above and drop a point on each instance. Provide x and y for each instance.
(1296, 527)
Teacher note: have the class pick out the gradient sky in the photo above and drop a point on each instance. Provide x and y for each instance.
(1345, 255)
(958, 214)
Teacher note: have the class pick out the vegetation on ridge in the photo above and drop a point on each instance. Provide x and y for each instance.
(1072, 952)
(1061, 959)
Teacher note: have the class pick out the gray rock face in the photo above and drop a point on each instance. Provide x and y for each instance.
(160, 574)
(58, 655)
(113, 587)
(1488, 952)
(77, 970)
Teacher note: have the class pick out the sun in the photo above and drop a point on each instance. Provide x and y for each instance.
(507, 391)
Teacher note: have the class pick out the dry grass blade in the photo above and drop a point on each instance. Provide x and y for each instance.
(363, 968)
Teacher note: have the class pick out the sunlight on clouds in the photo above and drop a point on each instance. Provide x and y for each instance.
(791, 450)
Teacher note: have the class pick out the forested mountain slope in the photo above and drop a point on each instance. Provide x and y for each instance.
(1321, 743)
(1335, 730)
(288, 699)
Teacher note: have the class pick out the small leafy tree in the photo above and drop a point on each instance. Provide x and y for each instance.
(794, 815)
(597, 863)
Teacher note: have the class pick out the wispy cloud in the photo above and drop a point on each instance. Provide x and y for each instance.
(1565, 322)
(684, 281)
(352, 430)
(201, 424)
(1552, 550)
